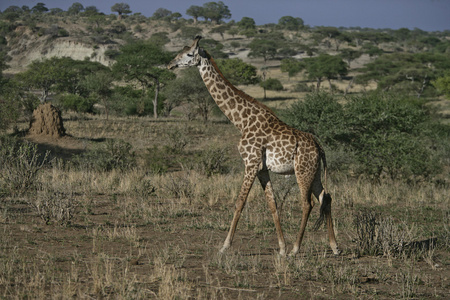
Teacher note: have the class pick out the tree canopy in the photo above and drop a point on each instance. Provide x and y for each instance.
(60, 74)
(325, 66)
(121, 9)
(237, 71)
(143, 64)
(214, 11)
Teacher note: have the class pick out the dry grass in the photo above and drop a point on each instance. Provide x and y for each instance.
(135, 234)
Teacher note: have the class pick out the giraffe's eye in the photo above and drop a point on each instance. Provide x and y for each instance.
(190, 55)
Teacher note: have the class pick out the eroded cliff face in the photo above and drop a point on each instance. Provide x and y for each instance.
(28, 47)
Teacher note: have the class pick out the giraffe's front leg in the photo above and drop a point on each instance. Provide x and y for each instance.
(249, 178)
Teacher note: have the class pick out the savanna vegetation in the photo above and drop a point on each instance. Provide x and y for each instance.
(135, 200)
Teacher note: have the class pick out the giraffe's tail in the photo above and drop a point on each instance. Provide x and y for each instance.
(325, 198)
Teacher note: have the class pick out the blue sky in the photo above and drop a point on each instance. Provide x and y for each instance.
(429, 15)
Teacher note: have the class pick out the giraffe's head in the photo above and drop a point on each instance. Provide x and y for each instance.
(189, 56)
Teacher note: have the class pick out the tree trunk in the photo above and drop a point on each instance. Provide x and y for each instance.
(106, 107)
(319, 81)
(350, 84)
(44, 96)
(155, 101)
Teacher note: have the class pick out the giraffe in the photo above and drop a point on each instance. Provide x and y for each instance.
(266, 144)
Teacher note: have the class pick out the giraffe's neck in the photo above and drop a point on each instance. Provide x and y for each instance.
(241, 109)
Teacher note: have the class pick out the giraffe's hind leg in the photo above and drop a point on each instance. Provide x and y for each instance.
(305, 195)
(326, 209)
(266, 184)
(305, 177)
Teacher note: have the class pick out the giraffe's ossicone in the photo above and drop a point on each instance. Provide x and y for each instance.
(266, 144)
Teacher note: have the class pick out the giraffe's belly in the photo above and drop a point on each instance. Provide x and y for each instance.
(279, 165)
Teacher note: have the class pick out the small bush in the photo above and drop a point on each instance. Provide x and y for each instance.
(272, 84)
(157, 160)
(114, 154)
(302, 88)
(177, 139)
(320, 114)
(55, 206)
(377, 235)
(211, 161)
(20, 163)
(77, 103)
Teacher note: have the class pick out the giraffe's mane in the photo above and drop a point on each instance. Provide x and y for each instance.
(235, 89)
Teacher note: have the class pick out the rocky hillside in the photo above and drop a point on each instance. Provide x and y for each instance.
(27, 45)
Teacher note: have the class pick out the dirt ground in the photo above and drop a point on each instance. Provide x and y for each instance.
(132, 236)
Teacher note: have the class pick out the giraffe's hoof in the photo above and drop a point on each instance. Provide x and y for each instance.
(336, 252)
(223, 250)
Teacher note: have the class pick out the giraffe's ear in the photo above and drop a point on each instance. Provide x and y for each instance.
(202, 53)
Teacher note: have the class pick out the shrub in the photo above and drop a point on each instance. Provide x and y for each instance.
(388, 137)
(320, 114)
(177, 139)
(377, 235)
(272, 84)
(158, 160)
(302, 87)
(387, 134)
(55, 206)
(212, 161)
(77, 103)
(20, 163)
(114, 154)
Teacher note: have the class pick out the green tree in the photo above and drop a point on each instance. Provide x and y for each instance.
(214, 48)
(99, 85)
(331, 33)
(195, 12)
(42, 75)
(142, 63)
(320, 114)
(216, 11)
(221, 29)
(187, 32)
(371, 50)
(325, 66)
(290, 23)
(442, 84)
(121, 9)
(387, 133)
(291, 66)
(90, 11)
(189, 87)
(350, 55)
(246, 23)
(75, 8)
(271, 84)
(159, 38)
(161, 13)
(9, 102)
(263, 48)
(59, 74)
(237, 71)
(39, 8)
(405, 72)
